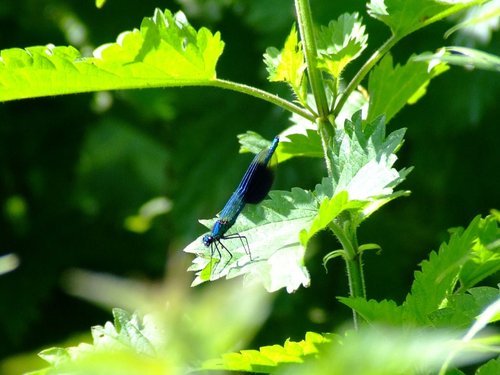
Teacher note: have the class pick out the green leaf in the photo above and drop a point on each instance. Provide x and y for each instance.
(288, 65)
(362, 160)
(439, 275)
(485, 256)
(269, 358)
(166, 51)
(301, 140)
(407, 16)
(385, 312)
(462, 56)
(391, 88)
(271, 229)
(480, 21)
(492, 367)
(340, 42)
(462, 309)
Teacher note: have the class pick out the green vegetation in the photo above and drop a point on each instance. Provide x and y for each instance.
(86, 179)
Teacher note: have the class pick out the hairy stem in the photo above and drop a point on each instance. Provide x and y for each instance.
(353, 262)
(264, 95)
(306, 29)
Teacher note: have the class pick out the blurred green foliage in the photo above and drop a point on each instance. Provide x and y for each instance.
(73, 169)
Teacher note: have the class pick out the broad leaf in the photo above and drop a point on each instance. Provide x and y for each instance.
(165, 51)
(341, 42)
(271, 229)
(463, 56)
(407, 16)
(392, 87)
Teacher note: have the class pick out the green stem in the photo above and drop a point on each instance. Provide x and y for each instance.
(264, 95)
(304, 19)
(354, 265)
(365, 69)
(325, 130)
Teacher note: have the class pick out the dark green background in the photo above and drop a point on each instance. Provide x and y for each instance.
(81, 171)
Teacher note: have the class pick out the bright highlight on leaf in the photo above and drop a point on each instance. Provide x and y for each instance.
(165, 51)
(269, 358)
(341, 42)
(288, 65)
(407, 16)
(463, 56)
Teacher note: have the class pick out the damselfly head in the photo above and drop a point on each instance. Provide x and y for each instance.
(207, 240)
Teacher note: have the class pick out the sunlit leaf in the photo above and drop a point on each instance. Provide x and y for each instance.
(407, 16)
(269, 358)
(341, 42)
(165, 51)
(463, 56)
(271, 229)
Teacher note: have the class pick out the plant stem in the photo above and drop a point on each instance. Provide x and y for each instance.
(264, 95)
(365, 69)
(354, 265)
(304, 19)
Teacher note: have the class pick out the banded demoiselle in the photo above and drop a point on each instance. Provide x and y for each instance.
(253, 188)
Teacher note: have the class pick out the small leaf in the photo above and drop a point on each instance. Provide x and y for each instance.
(166, 51)
(391, 88)
(407, 16)
(462, 56)
(341, 42)
(287, 65)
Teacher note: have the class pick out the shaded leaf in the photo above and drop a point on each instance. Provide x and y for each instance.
(439, 275)
(384, 312)
(391, 88)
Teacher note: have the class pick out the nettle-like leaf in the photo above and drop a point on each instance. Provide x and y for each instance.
(485, 257)
(340, 42)
(269, 358)
(362, 159)
(384, 312)
(435, 283)
(279, 229)
(434, 299)
(392, 87)
(463, 56)
(288, 65)
(128, 334)
(407, 16)
(462, 309)
(271, 229)
(165, 51)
